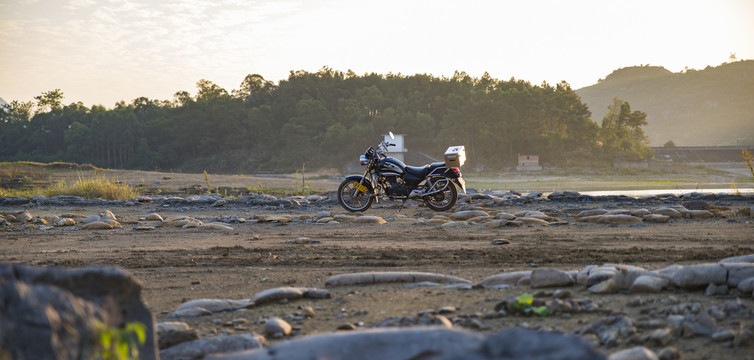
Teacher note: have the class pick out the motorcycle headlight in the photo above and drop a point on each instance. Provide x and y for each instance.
(363, 160)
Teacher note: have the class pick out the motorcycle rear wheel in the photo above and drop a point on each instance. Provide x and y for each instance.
(444, 200)
(351, 198)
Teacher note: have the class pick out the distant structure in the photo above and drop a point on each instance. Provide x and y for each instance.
(399, 150)
(528, 163)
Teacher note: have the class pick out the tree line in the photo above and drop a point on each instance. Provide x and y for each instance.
(324, 119)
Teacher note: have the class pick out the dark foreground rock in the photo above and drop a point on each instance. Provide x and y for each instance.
(52, 313)
(436, 343)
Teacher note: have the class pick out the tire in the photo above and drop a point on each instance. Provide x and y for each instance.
(444, 200)
(351, 198)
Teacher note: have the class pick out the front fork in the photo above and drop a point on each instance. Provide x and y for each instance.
(361, 186)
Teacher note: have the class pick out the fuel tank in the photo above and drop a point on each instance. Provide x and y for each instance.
(391, 165)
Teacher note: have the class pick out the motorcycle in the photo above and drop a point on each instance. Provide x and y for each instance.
(387, 176)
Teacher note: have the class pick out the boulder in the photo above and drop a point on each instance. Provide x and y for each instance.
(738, 272)
(656, 218)
(640, 212)
(390, 277)
(91, 219)
(669, 212)
(591, 212)
(154, 217)
(699, 276)
(738, 259)
(177, 222)
(53, 313)
(275, 218)
(200, 349)
(215, 305)
(277, 327)
(648, 284)
(215, 226)
(343, 218)
(599, 275)
(173, 333)
(505, 216)
(634, 353)
(699, 214)
(494, 224)
(618, 219)
(65, 222)
(467, 214)
(532, 221)
(550, 278)
(98, 225)
(368, 219)
(438, 343)
(505, 278)
(109, 215)
(746, 286)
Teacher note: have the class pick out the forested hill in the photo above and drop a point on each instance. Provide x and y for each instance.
(714, 106)
(322, 119)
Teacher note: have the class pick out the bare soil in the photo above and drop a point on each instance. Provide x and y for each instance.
(176, 265)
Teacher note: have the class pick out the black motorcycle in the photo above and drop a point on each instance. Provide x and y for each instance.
(386, 176)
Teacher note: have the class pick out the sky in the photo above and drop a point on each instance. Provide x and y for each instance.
(100, 52)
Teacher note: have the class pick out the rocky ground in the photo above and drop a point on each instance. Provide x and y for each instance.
(186, 249)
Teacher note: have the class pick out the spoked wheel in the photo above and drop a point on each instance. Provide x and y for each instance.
(443, 200)
(354, 196)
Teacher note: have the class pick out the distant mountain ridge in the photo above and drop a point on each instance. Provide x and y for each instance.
(709, 107)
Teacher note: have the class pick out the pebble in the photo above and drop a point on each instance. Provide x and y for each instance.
(501, 242)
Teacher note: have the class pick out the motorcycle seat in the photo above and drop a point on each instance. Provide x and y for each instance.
(422, 171)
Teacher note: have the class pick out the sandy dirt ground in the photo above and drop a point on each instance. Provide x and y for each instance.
(177, 265)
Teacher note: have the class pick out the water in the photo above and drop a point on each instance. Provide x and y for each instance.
(640, 193)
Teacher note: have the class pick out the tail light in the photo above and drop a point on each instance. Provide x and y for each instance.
(457, 171)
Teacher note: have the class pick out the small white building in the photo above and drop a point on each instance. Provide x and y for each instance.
(399, 150)
(528, 163)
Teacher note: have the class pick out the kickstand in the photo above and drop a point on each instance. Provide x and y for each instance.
(402, 204)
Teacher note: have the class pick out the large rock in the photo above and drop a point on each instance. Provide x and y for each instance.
(52, 313)
(390, 277)
(468, 214)
(738, 272)
(550, 278)
(669, 212)
(505, 278)
(699, 276)
(436, 343)
(634, 353)
(173, 333)
(648, 284)
(200, 349)
(213, 305)
(738, 259)
(288, 293)
(368, 219)
(618, 219)
(276, 327)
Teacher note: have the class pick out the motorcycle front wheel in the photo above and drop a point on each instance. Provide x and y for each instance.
(353, 199)
(443, 200)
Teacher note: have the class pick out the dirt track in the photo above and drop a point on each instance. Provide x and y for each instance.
(176, 264)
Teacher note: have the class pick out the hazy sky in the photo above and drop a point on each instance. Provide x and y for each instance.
(103, 51)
